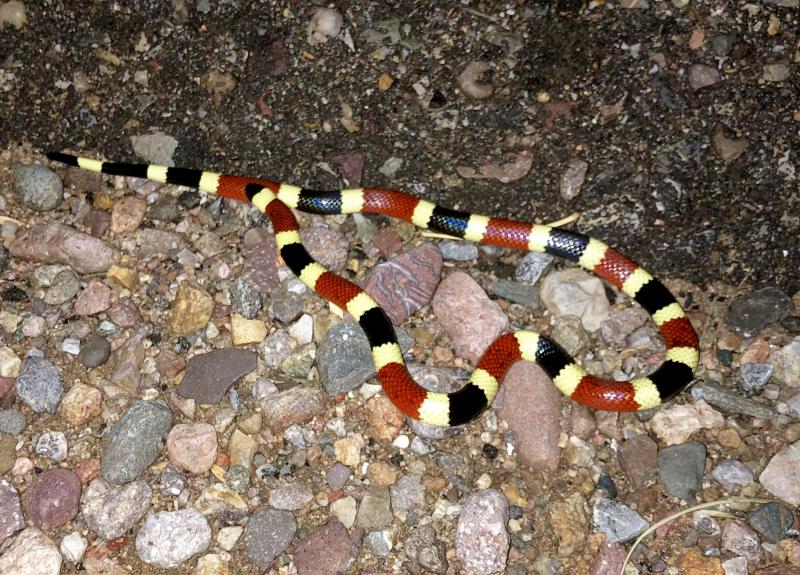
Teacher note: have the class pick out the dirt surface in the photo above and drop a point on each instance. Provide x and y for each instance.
(86, 80)
(685, 117)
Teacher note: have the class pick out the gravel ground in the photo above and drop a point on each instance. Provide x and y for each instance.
(152, 349)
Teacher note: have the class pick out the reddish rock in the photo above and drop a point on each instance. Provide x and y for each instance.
(124, 313)
(387, 242)
(57, 243)
(260, 265)
(94, 298)
(11, 519)
(639, 457)
(532, 408)
(127, 214)
(406, 282)
(327, 246)
(326, 551)
(472, 320)
(88, 470)
(52, 499)
(192, 447)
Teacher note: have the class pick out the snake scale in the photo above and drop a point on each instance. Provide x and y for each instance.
(277, 200)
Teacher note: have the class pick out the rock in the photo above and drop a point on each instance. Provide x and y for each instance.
(291, 496)
(741, 541)
(56, 243)
(482, 541)
(564, 516)
(156, 148)
(242, 448)
(127, 214)
(209, 376)
(112, 512)
(127, 361)
(344, 359)
(328, 247)
(325, 23)
(11, 519)
(575, 292)
(168, 538)
(95, 351)
(535, 423)
(515, 291)
(8, 452)
(374, 511)
(749, 313)
(470, 80)
(73, 546)
(702, 76)
(618, 522)
(681, 468)
(406, 282)
(337, 476)
(31, 553)
(10, 365)
(458, 251)
(81, 403)
(776, 72)
(423, 547)
(52, 499)
(246, 331)
(39, 385)
(780, 475)
(135, 441)
(295, 405)
(472, 320)
(572, 178)
(326, 551)
(260, 267)
(677, 423)
(153, 242)
(40, 187)
(345, 510)
(95, 298)
(12, 421)
(267, 534)
(52, 444)
(728, 149)
(191, 309)
(732, 474)
(726, 400)
(218, 499)
(245, 299)
(192, 447)
(754, 376)
(638, 457)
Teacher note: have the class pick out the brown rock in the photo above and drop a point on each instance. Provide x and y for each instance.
(57, 243)
(191, 309)
(639, 457)
(81, 403)
(94, 298)
(326, 551)
(52, 499)
(328, 247)
(209, 376)
(260, 266)
(384, 419)
(296, 405)
(88, 470)
(127, 214)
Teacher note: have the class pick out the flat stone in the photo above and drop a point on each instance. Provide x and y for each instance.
(209, 376)
(267, 534)
(169, 538)
(53, 498)
(112, 512)
(57, 243)
(681, 468)
(39, 385)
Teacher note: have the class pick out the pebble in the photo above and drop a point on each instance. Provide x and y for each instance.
(741, 540)
(247, 331)
(10, 364)
(299, 363)
(156, 148)
(776, 72)
(325, 23)
(723, 45)
(71, 345)
(407, 494)
(531, 267)
(33, 326)
(135, 441)
(39, 385)
(732, 474)
(575, 292)
(287, 304)
(327, 550)
(472, 320)
(728, 149)
(52, 499)
(458, 251)
(11, 519)
(515, 291)
(95, 298)
(228, 536)
(127, 214)
(572, 178)
(749, 313)
(241, 448)
(293, 406)
(276, 347)
(423, 547)
(337, 476)
(374, 511)
(380, 542)
(677, 423)
(40, 187)
(618, 522)
(245, 299)
(191, 309)
(702, 76)
(482, 541)
(111, 512)
(73, 546)
(217, 499)
(302, 331)
(172, 482)
(12, 421)
(166, 243)
(52, 444)
(57, 243)
(192, 447)
(471, 80)
(81, 403)
(771, 520)
(345, 510)
(681, 468)
(31, 553)
(729, 401)
(327, 246)
(212, 564)
(8, 452)
(406, 282)
(754, 376)
(638, 457)
(291, 496)
(209, 376)
(260, 267)
(534, 423)
(169, 538)
(268, 533)
(95, 351)
(780, 475)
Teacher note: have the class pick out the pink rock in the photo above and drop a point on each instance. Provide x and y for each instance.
(192, 446)
(260, 266)
(351, 167)
(124, 313)
(88, 469)
(482, 541)
(52, 499)
(387, 242)
(94, 298)
(127, 214)
(472, 320)
(532, 408)
(57, 243)
(11, 519)
(406, 282)
(326, 551)
(329, 247)
(609, 559)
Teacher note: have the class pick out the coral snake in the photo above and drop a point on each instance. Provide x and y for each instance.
(276, 200)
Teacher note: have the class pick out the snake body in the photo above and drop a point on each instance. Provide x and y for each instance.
(277, 200)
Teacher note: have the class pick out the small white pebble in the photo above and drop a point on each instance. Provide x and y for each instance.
(302, 331)
(401, 441)
(484, 481)
(71, 346)
(326, 23)
(73, 546)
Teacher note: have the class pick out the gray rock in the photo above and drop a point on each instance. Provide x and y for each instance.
(532, 266)
(40, 187)
(727, 400)
(515, 291)
(62, 288)
(375, 511)
(618, 522)
(168, 538)
(379, 542)
(155, 148)
(723, 45)
(423, 547)
(732, 474)
(12, 421)
(772, 520)
(111, 512)
(754, 376)
(39, 385)
(268, 534)
(52, 444)
(681, 468)
(135, 441)
(456, 251)
(407, 493)
(95, 351)
(749, 313)
(245, 299)
(209, 376)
